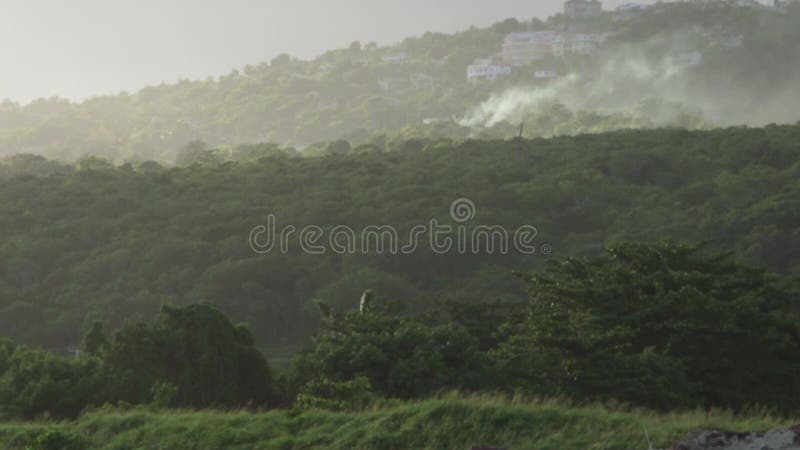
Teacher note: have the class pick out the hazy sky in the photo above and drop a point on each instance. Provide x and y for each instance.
(79, 48)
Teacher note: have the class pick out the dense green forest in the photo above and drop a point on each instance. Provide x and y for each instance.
(101, 242)
(635, 322)
(644, 77)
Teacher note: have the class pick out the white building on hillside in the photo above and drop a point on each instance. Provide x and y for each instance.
(395, 58)
(740, 3)
(578, 44)
(486, 69)
(585, 44)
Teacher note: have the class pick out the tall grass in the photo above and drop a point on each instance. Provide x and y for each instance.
(450, 422)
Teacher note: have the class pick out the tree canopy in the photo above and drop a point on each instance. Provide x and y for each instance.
(103, 242)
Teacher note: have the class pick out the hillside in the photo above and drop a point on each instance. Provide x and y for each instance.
(95, 241)
(451, 422)
(686, 64)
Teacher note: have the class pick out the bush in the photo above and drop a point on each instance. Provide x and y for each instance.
(321, 393)
(400, 357)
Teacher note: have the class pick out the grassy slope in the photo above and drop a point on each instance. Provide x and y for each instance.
(450, 422)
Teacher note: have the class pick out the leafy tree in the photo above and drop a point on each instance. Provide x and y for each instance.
(398, 357)
(664, 325)
(196, 152)
(190, 357)
(37, 383)
(209, 361)
(95, 340)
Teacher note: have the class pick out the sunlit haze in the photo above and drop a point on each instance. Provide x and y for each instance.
(82, 48)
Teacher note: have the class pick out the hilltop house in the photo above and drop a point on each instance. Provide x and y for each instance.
(585, 44)
(395, 58)
(739, 3)
(582, 9)
(486, 69)
(525, 48)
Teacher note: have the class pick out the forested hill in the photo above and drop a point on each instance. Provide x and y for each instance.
(683, 64)
(98, 241)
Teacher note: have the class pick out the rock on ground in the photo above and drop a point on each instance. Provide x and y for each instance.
(728, 440)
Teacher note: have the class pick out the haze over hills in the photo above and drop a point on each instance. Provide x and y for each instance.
(685, 64)
(91, 47)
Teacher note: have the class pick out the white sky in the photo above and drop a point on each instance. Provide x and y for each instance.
(80, 48)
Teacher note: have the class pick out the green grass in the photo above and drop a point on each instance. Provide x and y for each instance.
(450, 422)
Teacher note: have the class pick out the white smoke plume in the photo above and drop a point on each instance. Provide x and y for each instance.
(631, 79)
